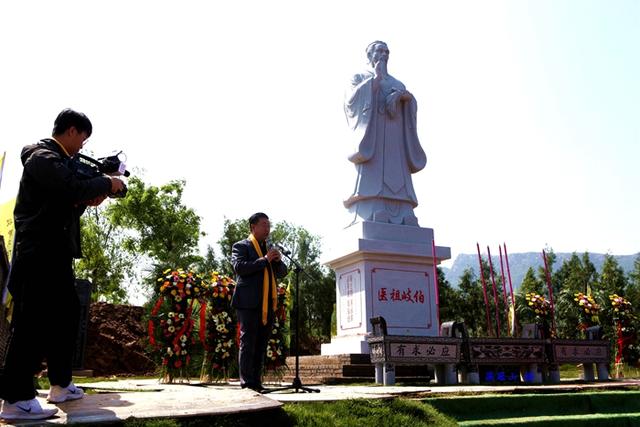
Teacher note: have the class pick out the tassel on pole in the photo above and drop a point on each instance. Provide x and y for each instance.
(513, 299)
(495, 293)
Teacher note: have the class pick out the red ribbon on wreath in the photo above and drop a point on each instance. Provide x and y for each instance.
(154, 312)
(203, 324)
(620, 342)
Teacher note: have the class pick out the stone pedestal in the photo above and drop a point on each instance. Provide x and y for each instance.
(383, 270)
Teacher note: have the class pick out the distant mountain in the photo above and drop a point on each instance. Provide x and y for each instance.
(519, 263)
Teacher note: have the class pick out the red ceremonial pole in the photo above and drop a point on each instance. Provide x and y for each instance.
(550, 288)
(504, 285)
(495, 293)
(435, 281)
(484, 291)
(513, 298)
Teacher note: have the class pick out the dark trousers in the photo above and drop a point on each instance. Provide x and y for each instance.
(45, 324)
(253, 345)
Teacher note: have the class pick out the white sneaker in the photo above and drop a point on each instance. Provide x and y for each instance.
(25, 410)
(59, 394)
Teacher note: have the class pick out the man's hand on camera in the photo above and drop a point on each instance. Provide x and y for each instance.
(116, 184)
(96, 201)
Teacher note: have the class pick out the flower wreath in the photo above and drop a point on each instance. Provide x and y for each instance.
(589, 310)
(626, 335)
(276, 354)
(541, 308)
(172, 311)
(219, 333)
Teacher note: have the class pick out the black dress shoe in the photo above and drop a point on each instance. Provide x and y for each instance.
(255, 387)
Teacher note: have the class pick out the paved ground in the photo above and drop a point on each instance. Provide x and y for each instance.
(113, 401)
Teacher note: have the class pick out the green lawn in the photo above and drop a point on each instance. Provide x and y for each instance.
(566, 409)
(589, 408)
(343, 413)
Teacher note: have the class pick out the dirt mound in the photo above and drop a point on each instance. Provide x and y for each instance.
(116, 341)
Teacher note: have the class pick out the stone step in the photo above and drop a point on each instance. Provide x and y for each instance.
(344, 368)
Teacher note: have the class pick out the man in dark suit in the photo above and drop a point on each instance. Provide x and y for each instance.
(257, 267)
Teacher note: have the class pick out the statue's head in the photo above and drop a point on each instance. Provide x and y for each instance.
(375, 49)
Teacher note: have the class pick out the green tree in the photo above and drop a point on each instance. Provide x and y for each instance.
(576, 274)
(612, 278)
(105, 263)
(449, 299)
(232, 231)
(589, 272)
(472, 306)
(208, 263)
(165, 229)
(633, 286)
(555, 279)
(316, 284)
(530, 283)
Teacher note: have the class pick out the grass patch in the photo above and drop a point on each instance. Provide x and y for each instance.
(276, 417)
(575, 371)
(344, 413)
(593, 420)
(499, 406)
(371, 412)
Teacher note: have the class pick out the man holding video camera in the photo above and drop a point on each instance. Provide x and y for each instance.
(51, 199)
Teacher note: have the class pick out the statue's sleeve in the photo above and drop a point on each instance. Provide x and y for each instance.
(358, 110)
(416, 157)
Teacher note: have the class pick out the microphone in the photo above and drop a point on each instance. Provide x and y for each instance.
(278, 246)
(269, 244)
(282, 249)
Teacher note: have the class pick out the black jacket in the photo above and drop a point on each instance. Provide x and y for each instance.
(50, 201)
(249, 268)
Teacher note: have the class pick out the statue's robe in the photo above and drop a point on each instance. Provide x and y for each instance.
(388, 150)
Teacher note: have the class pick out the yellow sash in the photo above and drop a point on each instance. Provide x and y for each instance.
(265, 283)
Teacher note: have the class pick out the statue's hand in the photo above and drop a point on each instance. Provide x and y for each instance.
(392, 101)
(380, 70)
(406, 96)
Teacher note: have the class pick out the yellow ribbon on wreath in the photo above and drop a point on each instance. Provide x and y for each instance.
(265, 282)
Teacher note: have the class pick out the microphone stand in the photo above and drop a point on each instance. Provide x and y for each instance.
(296, 384)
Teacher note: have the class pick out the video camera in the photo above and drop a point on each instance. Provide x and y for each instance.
(86, 167)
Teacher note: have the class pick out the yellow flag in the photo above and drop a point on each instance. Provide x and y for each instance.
(7, 229)
(2, 165)
(512, 320)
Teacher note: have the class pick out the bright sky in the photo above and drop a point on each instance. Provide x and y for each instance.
(529, 111)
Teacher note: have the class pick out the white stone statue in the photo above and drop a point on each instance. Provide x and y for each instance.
(382, 115)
